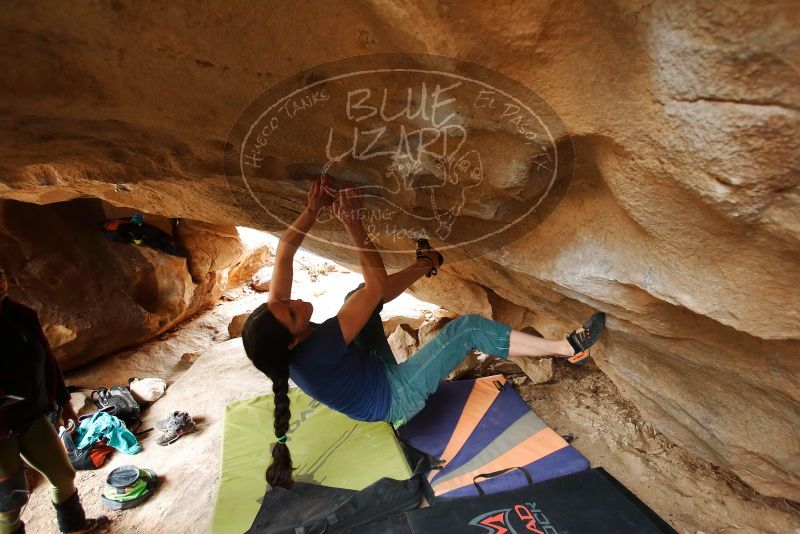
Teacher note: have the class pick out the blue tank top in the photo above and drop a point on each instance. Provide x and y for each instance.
(342, 377)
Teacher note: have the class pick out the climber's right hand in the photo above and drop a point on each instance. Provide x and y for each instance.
(318, 195)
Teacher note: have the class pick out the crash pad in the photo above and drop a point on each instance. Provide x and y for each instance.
(482, 428)
(327, 447)
(589, 502)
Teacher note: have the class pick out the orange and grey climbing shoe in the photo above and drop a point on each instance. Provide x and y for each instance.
(583, 338)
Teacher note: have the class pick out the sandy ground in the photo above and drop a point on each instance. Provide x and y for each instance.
(692, 495)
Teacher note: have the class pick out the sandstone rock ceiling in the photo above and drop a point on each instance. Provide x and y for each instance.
(682, 220)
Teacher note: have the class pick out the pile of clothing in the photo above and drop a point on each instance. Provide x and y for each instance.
(112, 427)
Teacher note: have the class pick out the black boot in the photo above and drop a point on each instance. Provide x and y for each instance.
(21, 529)
(72, 518)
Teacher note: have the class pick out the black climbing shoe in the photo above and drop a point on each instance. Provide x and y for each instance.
(424, 250)
(581, 340)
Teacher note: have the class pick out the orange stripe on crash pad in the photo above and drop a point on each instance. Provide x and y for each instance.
(536, 447)
(480, 399)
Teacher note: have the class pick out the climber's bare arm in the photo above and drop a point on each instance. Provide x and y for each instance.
(355, 312)
(280, 286)
(397, 283)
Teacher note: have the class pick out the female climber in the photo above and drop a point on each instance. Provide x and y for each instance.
(31, 385)
(345, 362)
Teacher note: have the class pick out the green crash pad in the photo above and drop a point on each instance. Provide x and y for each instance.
(327, 448)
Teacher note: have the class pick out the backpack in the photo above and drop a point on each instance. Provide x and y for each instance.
(120, 403)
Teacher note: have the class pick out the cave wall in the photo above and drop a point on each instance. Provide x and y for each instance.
(682, 221)
(95, 296)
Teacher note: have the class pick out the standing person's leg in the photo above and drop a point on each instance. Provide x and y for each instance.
(42, 449)
(13, 487)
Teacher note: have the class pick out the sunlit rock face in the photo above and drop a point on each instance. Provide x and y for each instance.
(681, 219)
(95, 296)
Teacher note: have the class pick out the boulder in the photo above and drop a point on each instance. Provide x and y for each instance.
(188, 358)
(453, 293)
(402, 342)
(392, 323)
(209, 247)
(261, 279)
(539, 370)
(237, 324)
(492, 365)
(250, 262)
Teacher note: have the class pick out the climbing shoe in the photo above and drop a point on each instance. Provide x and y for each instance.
(582, 339)
(173, 427)
(425, 251)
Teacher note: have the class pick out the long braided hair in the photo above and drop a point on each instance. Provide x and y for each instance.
(266, 342)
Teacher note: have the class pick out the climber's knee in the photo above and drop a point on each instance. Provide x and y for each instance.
(470, 321)
(478, 332)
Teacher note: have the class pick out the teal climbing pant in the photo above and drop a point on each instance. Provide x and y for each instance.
(413, 381)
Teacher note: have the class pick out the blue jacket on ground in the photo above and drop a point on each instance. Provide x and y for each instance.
(105, 425)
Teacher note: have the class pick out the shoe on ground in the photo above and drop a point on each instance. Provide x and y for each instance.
(175, 419)
(174, 432)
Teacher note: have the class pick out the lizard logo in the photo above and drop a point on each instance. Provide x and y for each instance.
(434, 147)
